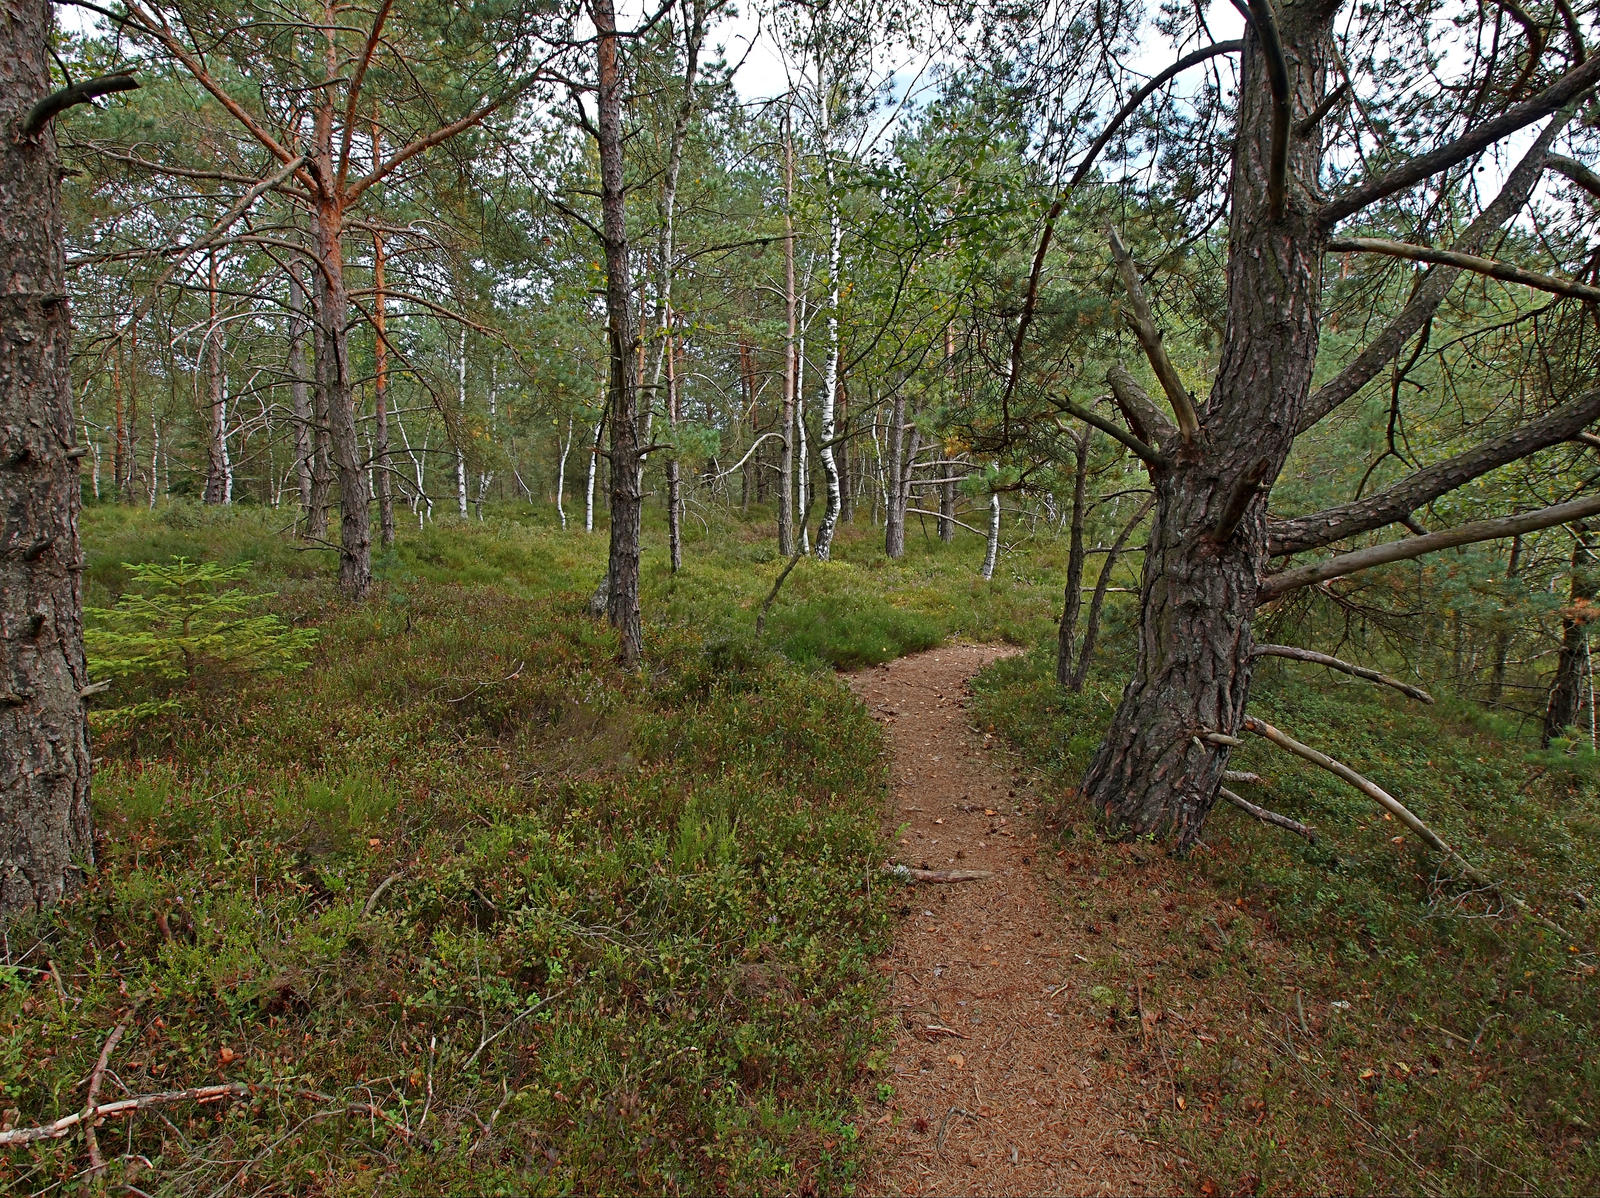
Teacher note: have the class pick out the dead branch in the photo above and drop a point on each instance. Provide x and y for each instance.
(93, 1114)
(1295, 653)
(1268, 817)
(97, 1163)
(905, 873)
(1275, 585)
(1238, 776)
(1394, 504)
(82, 92)
(1399, 810)
(1577, 172)
(1151, 457)
(1479, 265)
(1143, 323)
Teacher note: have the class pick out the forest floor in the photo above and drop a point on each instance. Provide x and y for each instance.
(998, 1072)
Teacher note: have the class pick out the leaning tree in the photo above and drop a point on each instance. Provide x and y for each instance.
(1323, 140)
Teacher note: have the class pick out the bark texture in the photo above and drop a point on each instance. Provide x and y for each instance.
(622, 599)
(45, 831)
(1156, 773)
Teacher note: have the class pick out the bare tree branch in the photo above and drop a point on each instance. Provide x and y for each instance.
(1268, 817)
(1571, 86)
(1275, 585)
(82, 92)
(1143, 323)
(1394, 504)
(1295, 653)
(1472, 262)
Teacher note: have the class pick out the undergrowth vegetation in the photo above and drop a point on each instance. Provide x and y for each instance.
(462, 905)
(1350, 1015)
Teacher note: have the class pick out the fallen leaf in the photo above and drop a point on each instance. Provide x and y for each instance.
(957, 1060)
(1367, 1074)
(1182, 1105)
(226, 1055)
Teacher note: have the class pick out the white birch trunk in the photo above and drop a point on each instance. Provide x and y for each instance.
(461, 426)
(992, 549)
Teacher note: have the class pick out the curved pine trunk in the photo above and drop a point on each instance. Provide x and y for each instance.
(1155, 773)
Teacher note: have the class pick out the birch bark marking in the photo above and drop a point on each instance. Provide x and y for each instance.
(622, 599)
(1207, 549)
(830, 372)
(45, 827)
(791, 359)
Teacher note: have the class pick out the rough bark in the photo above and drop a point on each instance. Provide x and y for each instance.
(827, 410)
(333, 306)
(1566, 688)
(1155, 773)
(622, 600)
(45, 831)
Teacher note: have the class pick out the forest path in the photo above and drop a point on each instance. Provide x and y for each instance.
(999, 1078)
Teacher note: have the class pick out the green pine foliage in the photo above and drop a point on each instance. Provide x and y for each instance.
(182, 634)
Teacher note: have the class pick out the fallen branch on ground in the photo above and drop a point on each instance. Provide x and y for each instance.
(92, 1114)
(1399, 810)
(906, 874)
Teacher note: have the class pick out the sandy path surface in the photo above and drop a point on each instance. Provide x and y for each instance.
(998, 1062)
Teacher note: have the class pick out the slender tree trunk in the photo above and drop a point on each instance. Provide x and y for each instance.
(830, 372)
(1502, 639)
(380, 382)
(947, 509)
(894, 510)
(461, 424)
(300, 394)
(847, 473)
(119, 418)
(991, 551)
(622, 599)
(333, 308)
(216, 488)
(485, 477)
(561, 474)
(791, 353)
(131, 482)
(1072, 600)
(46, 843)
(1156, 772)
(1566, 688)
(674, 483)
(594, 467)
(1091, 630)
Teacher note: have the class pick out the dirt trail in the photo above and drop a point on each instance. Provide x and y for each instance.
(1000, 1086)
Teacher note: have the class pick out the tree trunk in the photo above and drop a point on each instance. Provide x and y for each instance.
(991, 550)
(674, 481)
(380, 385)
(1155, 773)
(333, 308)
(830, 372)
(300, 393)
(1502, 638)
(561, 475)
(1091, 628)
(1566, 688)
(791, 354)
(622, 599)
(594, 468)
(217, 466)
(45, 831)
(1072, 601)
(894, 515)
(461, 424)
